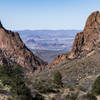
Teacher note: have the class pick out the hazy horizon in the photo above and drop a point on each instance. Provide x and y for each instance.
(46, 14)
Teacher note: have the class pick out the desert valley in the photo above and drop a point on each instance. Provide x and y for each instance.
(50, 50)
(73, 74)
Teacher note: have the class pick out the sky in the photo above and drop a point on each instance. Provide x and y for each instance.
(46, 14)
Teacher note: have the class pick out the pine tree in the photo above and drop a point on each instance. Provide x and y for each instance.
(58, 79)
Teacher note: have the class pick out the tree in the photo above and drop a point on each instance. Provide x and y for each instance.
(5, 75)
(58, 79)
(96, 86)
(13, 76)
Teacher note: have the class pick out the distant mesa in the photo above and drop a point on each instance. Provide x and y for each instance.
(85, 41)
(30, 41)
(12, 48)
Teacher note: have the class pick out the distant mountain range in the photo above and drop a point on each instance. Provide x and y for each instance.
(54, 42)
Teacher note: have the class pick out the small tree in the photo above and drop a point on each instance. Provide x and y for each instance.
(58, 79)
(91, 96)
(96, 86)
(13, 76)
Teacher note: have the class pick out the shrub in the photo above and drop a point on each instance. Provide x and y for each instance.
(43, 87)
(23, 97)
(82, 89)
(13, 76)
(10, 98)
(90, 96)
(57, 79)
(38, 97)
(96, 86)
(72, 96)
(53, 98)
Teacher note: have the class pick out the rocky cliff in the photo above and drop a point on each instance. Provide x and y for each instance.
(89, 39)
(85, 41)
(14, 49)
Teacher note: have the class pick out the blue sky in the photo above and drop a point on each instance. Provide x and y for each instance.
(46, 14)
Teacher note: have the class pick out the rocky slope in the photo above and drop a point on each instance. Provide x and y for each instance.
(89, 39)
(81, 66)
(13, 48)
(85, 41)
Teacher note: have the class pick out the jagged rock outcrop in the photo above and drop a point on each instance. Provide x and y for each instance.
(89, 39)
(85, 41)
(14, 49)
(58, 59)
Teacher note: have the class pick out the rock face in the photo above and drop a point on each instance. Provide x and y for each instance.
(89, 39)
(14, 49)
(58, 59)
(85, 41)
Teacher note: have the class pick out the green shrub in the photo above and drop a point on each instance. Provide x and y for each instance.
(82, 89)
(23, 97)
(10, 98)
(90, 96)
(38, 97)
(43, 87)
(96, 86)
(53, 98)
(13, 76)
(57, 79)
(72, 96)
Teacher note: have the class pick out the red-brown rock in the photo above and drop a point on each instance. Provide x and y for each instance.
(14, 49)
(87, 40)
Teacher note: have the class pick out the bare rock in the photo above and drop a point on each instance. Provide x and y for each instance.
(85, 41)
(14, 49)
(58, 59)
